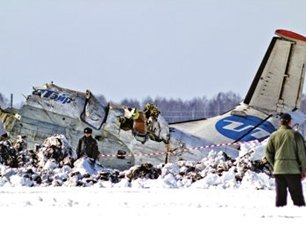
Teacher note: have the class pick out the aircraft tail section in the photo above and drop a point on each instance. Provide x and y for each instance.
(278, 84)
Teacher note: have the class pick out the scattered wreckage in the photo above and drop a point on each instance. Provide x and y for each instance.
(126, 136)
(54, 164)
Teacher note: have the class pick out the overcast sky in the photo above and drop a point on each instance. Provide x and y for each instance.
(139, 48)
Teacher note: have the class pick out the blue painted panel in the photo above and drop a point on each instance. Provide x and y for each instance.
(235, 127)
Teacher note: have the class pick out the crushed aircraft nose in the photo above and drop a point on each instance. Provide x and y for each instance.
(52, 110)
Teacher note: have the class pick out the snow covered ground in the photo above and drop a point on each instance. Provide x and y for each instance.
(213, 193)
(124, 208)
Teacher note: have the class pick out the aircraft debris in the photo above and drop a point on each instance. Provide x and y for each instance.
(133, 136)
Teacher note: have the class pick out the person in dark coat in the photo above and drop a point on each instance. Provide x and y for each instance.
(87, 145)
(285, 151)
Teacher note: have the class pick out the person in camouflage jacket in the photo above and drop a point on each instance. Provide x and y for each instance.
(285, 151)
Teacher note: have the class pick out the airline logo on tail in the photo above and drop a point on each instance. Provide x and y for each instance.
(235, 127)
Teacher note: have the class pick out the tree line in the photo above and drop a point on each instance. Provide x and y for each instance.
(174, 110)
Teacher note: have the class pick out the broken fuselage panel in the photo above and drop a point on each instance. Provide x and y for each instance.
(51, 110)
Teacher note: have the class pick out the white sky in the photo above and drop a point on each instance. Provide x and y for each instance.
(136, 48)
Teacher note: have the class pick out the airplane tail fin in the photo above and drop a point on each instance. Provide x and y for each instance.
(278, 83)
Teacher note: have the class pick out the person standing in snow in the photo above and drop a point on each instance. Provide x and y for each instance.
(87, 145)
(285, 151)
